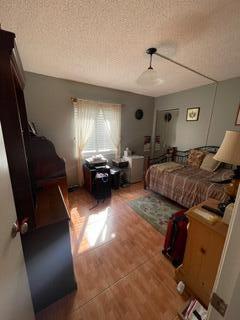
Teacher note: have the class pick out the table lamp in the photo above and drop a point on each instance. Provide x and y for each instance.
(229, 152)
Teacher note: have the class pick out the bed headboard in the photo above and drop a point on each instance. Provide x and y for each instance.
(180, 156)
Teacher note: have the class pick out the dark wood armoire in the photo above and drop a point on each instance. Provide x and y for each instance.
(38, 178)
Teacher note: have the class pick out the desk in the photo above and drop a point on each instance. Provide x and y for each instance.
(47, 250)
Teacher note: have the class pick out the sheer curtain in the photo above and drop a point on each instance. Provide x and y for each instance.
(84, 115)
(112, 120)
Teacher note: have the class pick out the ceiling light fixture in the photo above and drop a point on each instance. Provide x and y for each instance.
(151, 77)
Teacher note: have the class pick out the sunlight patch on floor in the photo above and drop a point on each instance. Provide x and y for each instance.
(91, 230)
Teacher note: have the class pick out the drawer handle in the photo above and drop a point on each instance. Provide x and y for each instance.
(203, 251)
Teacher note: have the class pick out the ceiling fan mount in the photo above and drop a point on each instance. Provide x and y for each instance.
(151, 51)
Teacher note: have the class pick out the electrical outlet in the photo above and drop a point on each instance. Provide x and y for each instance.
(218, 304)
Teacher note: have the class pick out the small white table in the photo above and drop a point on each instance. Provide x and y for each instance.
(136, 168)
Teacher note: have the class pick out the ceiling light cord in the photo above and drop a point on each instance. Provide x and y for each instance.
(150, 66)
(185, 67)
(151, 77)
(212, 110)
(152, 51)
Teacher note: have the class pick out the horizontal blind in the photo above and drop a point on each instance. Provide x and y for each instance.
(99, 141)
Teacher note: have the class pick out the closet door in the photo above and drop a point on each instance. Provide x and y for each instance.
(166, 124)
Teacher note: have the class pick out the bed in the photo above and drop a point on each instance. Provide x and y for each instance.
(184, 184)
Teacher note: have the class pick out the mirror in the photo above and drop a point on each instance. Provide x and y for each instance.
(165, 131)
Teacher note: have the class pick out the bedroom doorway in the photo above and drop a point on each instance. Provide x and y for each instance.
(227, 283)
(165, 132)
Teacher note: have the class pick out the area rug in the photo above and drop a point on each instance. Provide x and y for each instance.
(155, 209)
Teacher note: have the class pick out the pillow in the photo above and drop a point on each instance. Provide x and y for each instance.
(209, 163)
(195, 158)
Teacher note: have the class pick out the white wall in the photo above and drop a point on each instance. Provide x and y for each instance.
(49, 107)
(225, 110)
(194, 134)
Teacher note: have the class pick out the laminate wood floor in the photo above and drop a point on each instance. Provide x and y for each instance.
(119, 268)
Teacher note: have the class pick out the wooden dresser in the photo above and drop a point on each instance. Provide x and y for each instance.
(203, 252)
(47, 249)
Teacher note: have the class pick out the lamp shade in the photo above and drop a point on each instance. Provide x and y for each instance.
(229, 151)
(150, 77)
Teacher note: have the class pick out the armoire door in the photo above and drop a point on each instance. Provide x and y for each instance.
(15, 297)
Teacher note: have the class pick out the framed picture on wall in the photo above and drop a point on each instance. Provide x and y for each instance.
(193, 114)
(237, 123)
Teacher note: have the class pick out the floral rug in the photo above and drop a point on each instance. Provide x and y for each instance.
(155, 209)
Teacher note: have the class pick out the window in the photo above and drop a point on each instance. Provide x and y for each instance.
(99, 140)
(97, 130)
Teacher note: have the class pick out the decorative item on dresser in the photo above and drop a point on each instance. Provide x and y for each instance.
(38, 180)
(205, 241)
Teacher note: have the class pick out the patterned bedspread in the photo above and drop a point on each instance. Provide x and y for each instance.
(188, 186)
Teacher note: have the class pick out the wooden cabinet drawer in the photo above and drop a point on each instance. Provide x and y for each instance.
(210, 262)
(197, 248)
(202, 255)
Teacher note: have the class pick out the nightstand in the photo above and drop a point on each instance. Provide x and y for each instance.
(204, 247)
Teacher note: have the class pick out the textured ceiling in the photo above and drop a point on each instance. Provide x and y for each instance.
(103, 42)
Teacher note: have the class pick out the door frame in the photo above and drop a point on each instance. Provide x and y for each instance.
(227, 282)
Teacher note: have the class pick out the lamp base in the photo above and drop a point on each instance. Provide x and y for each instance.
(236, 173)
(223, 205)
(231, 190)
